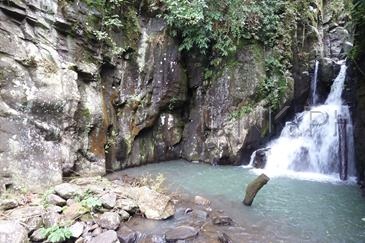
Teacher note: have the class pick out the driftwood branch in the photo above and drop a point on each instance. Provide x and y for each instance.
(254, 187)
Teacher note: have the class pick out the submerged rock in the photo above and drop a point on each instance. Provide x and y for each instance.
(181, 233)
(224, 238)
(14, 232)
(201, 201)
(126, 235)
(222, 220)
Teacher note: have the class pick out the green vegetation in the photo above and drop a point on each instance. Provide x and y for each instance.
(56, 233)
(91, 203)
(241, 111)
(220, 25)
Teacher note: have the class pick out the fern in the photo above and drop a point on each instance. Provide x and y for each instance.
(56, 233)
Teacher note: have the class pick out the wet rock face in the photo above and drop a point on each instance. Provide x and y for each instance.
(64, 111)
(40, 97)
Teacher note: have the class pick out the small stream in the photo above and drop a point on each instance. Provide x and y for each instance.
(285, 210)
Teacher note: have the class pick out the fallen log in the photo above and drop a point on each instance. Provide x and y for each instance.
(254, 187)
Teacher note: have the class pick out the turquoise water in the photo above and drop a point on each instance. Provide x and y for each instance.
(285, 210)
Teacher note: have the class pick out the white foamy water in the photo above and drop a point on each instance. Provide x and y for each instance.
(308, 146)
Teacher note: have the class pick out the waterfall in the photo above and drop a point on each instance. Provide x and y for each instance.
(308, 145)
(313, 94)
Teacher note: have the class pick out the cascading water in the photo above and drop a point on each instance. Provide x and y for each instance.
(310, 142)
(314, 84)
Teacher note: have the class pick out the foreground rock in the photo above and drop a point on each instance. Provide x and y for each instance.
(109, 220)
(126, 235)
(109, 236)
(181, 233)
(7, 204)
(67, 190)
(12, 232)
(253, 188)
(152, 204)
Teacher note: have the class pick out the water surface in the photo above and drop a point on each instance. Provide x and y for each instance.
(285, 210)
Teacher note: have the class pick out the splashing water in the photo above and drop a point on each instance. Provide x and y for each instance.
(308, 146)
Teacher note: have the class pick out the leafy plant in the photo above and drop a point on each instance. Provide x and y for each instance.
(240, 112)
(56, 233)
(91, 203)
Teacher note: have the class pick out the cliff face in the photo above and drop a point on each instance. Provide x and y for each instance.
(68, 106)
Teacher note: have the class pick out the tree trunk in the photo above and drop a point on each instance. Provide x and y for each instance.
(254, 187)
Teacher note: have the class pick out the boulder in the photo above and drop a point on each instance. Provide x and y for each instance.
(29, 216)
(152, 204)
(73, 211)
(109, 200)
(7, 204)
(201, 201)
(253, 188)
(109, 220)
(51, 219)
(67, 190)
(127, 204)
(77, 229)
(109, 236)
(37, 236)
(126, 235)
(56, 200)
(14, 232)
(181, 233)
(124, 215)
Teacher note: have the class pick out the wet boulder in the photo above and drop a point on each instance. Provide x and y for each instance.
(260, 158)
(126, 235)
(181, 233)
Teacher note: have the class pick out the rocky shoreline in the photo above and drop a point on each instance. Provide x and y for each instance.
(98, 210)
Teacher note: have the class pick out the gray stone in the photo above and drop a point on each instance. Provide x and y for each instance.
(201, 201)
(109, 220)
(51, 219)
(37, 236)
(109, 200)
(222, 220)
(30, 216)
(7, 204)
(109, 236)
(67, 190)
(127, 204)
(77, 229)
(124, 215)
(154, 205)
(181, 233)
(126, 235)
(11, 231)
(56, 200)
(152, 239)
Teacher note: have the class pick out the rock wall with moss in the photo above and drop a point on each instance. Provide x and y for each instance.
(86, 88)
